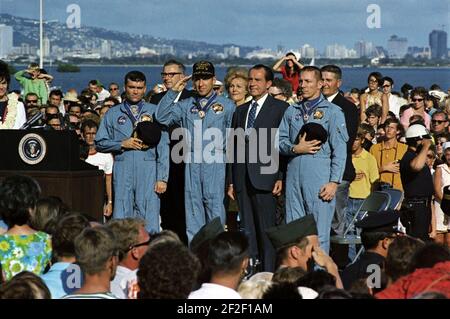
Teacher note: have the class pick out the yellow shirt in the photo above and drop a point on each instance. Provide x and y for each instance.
(363, 163)
(384, 155)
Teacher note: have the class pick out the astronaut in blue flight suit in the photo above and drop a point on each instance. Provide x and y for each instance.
(314, 169)
(140, 173)
(205, 165)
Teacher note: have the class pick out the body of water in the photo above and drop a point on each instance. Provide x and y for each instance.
(352, 77)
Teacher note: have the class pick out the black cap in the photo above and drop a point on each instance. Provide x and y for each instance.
(203, 69)
(149, 132)
(289, 234)
(385, 221)
(314, 131)
(207, 232)
(445, 203)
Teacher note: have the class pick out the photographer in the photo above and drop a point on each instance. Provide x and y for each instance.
(417, 182)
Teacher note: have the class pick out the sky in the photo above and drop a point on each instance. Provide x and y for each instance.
(265, 23)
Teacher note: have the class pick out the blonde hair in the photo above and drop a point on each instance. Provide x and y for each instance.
(253, 289)
(234, 73)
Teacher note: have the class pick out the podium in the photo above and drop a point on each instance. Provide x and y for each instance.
(52, 158)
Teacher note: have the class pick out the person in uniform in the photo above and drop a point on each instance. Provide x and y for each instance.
(378, 229)
(206, 114)
(315, 169)
(141, 154)
(297, 245)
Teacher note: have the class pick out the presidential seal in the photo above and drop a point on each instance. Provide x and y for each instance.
(32, 148)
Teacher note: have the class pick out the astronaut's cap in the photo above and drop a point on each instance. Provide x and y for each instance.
(149, 132)
(314, 131)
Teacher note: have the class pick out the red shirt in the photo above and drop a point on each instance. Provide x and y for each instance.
(292, 79)
(436, 279)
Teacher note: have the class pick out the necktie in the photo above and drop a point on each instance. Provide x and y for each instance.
(252, 115)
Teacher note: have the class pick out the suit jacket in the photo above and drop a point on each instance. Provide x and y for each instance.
(269, 117)
(351, 121)
(157, 97)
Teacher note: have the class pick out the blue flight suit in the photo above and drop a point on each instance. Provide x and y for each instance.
(135, 172)
(204, 178)
(307, 173)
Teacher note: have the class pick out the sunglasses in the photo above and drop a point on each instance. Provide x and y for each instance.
(113, 89)
(437, 121)
(430, 156)
(31, 101)
(417, 100)
(386, 86)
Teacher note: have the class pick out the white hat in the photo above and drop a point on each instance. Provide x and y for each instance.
(445, 146)
(417, 130)
(307, 293)
(218, 83)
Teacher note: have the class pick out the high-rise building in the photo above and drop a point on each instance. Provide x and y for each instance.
(364, 49)
(308, 51)
(438, 44)
(46, 46)
(231, 52)
(336, 51)
(105, 51)
(397, 47)
(6, 40)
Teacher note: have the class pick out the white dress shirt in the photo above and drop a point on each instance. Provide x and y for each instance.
(214, 291)
(258, 108)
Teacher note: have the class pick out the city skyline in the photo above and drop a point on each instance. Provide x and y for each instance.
(265, 26)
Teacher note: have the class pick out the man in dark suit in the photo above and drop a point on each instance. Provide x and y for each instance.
(252, 181)
(172, 201)
(331, 77)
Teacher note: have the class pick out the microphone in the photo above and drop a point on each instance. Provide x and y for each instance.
(36, 117)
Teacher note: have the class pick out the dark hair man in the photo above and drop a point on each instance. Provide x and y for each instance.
(257, 191)
(332, 81)
(140, 170)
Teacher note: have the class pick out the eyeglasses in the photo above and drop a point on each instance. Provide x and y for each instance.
(170, 74)
(31, 101)
(417, 100)
(145, 243)
(373, 81)
(437, 121)
(113, 89)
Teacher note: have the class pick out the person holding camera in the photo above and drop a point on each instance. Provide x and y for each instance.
(417, 182)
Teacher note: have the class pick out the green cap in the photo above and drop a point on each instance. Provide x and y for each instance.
(287, 235)
(207, 232)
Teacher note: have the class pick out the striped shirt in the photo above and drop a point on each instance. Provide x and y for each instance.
(100, 295)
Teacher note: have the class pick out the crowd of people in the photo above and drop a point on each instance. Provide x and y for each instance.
(234, 189)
